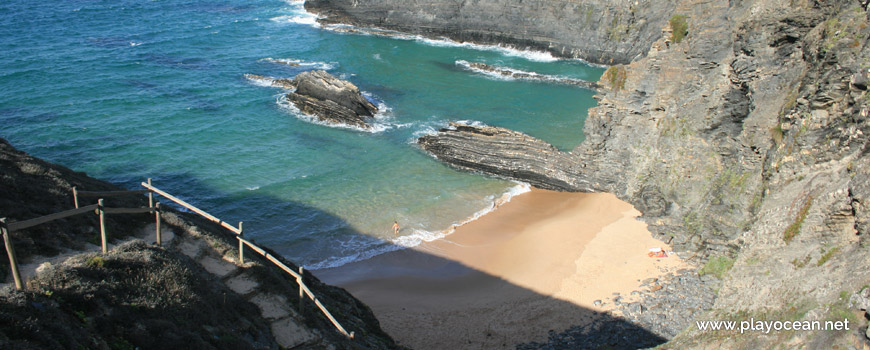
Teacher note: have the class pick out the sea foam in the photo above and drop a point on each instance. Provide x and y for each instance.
(300, 63)
(374, 247)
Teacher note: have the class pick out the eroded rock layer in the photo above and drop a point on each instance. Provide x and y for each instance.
(509, 154)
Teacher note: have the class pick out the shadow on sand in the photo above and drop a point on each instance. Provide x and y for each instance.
(424, 301)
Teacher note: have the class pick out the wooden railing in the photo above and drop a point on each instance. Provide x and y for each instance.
(7, 228)
(239, 234)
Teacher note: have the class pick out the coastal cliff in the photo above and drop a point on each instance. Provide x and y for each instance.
(605, 32)
(739, 130)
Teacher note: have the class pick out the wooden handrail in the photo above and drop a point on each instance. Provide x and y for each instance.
(102, 210)
(109, 193)
(302, 285)
(192, 208)
(128, 210)
(20, 225)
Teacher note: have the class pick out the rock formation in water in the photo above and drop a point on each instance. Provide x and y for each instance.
(509, 154)
(509, 73)
(331, 100)
(597, 31)
(276, 82)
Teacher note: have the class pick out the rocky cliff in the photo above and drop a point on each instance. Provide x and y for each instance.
(743, 136)
(597, 31)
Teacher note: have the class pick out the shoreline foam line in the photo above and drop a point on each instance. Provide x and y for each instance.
(420, 236)
(507, 50)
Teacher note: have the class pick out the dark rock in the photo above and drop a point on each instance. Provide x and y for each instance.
(331, 99)
(859, 80)
(509, 154)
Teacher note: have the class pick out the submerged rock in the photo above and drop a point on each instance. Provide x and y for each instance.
(516, 74)
(509, 154)
(276, 82)
(331, 99)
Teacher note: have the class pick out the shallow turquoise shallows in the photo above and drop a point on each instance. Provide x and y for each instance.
(125, 90)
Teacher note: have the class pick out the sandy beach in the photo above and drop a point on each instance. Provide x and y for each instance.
(537, 263)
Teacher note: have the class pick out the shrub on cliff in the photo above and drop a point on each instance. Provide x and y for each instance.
(679, 27)
(616, 75)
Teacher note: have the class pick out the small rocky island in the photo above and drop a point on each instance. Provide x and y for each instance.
(331, 99)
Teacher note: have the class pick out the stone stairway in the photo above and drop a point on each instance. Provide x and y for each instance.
(287, 325)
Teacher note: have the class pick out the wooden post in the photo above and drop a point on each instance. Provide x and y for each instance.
(102, 226)
(241, 245)
(10, 250)
(301, 291)
(157, 216)
(150, 197)
(76, 196)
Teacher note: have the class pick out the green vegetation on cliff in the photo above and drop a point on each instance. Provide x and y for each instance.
(680, 28)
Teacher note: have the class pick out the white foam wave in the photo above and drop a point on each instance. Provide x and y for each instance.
(507, 73)
(301, 63)
(252, 188)
(336, 261)
(532, 55)
(380, 124)
(297, 15)
(306, 19)
(465, 64)
(420, 236)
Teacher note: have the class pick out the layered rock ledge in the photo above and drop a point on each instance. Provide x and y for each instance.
(331, 99)
(509, 154)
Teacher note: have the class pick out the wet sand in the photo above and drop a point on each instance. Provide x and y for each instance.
(537, 263)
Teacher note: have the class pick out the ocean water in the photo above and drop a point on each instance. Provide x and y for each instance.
(125, 90)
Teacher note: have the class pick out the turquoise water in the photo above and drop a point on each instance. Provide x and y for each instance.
(126, 90)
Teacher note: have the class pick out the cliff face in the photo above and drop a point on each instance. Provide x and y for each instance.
(746, 142)
(750, 137)
(598, 31)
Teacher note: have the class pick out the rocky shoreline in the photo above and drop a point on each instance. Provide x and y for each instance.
(604, 32)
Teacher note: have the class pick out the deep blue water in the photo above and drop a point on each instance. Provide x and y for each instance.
(125, 90)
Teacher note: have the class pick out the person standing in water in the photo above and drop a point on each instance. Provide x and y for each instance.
(395, 228)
